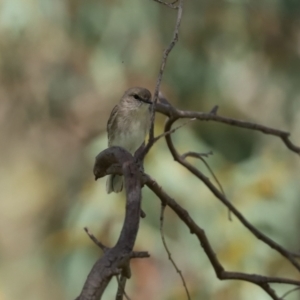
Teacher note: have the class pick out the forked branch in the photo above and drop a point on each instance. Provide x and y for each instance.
(177, 157)
(116, 259)
(261, 281)
(175, 114)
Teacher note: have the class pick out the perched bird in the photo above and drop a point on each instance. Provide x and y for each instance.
(128, 126)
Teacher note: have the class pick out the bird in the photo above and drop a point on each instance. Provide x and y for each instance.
(127, 127)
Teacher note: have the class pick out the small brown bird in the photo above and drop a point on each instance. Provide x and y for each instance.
(128, 126)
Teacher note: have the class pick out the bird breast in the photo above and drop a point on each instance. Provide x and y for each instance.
(132, 130)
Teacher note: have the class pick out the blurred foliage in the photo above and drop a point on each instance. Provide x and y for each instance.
(65, 64)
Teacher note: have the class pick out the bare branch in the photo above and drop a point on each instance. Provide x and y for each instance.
(171, 5)
(160, 75)
(121, 288)
(289, 292)
(171, 131)
(194, 154)
(262, 281)
(175, 114)
(139, 254)
(133, 254)
(200, 156)
(116, 260)
(97, 242)
(163, 206)
(214, 110)
(287, 254)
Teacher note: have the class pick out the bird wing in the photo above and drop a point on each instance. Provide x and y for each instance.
(111, 124)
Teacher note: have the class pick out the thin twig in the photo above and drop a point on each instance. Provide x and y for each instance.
(290, 291)
(196, 154)
(133, 254)
(172, 130)
(215, 178)
(139, 254)
(168, 251)
(95, 240)
(214, 110)
(200, 156)
(160, 75)
(121, 288)
(171, 5)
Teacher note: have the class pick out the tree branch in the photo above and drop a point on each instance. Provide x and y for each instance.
(176, 114)
(222, 274)
(162, 210)
(171, 5)
(177, 157)
(160, 75)
(117, 258)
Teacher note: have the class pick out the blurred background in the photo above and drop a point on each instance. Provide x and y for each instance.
(65, 64)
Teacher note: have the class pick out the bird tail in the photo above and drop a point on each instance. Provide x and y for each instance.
(114, 183)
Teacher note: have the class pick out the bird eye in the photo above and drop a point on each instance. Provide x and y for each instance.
(136, 97)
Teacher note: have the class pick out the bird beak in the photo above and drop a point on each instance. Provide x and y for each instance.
(146, 101)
